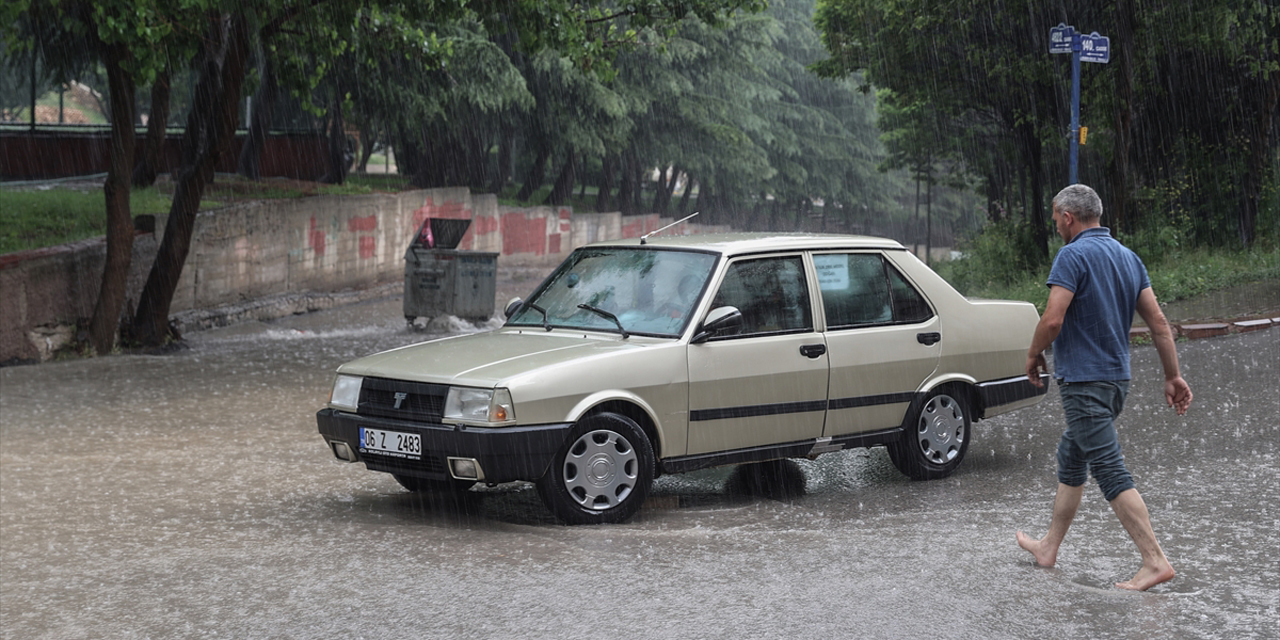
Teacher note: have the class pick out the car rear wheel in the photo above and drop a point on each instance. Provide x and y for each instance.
(935, 439)
(602, 474)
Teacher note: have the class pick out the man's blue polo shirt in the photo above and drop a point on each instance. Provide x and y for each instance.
(1106, 278)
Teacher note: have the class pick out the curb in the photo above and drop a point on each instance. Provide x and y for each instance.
(1195, 331)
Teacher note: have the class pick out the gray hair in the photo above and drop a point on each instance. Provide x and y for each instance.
(1081, 201)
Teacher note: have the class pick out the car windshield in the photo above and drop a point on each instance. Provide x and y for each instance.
(622, 289)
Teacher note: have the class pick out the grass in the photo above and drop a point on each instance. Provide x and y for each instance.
(33, 219)
(1180, 274)
(36, 219)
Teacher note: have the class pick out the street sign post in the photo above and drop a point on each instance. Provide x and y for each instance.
(1087, 48)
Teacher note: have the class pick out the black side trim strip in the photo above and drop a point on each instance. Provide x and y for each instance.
(685, 464)
(755, 410)
(998, 392)
(868, 401)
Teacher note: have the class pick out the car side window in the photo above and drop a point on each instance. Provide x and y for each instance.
(854, 289)
(909, 307)
(860, 289)
(771, 293)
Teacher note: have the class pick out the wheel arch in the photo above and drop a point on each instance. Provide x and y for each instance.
(962, 385)
(630, 406)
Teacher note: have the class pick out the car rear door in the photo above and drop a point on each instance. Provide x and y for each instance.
(883, 339)
(767, 384)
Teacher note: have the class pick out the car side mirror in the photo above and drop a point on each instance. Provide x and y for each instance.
(722, 321)
(513, 306)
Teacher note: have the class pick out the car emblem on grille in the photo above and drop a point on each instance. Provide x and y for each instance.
(400, 396)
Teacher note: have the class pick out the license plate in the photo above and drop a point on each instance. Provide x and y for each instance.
(391, 443)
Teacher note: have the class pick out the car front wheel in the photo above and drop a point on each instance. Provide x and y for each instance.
(602, 473)
(935, 438)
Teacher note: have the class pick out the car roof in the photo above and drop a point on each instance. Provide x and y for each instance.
(755, 242)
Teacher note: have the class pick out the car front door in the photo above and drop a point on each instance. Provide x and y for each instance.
(768, 383)
(884, 341)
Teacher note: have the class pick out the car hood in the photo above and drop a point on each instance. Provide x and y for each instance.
(489, 359)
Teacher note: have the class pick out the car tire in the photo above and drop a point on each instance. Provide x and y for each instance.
(423, 485)
(602, 473)
(935, 437)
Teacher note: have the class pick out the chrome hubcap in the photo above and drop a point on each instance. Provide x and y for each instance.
(941, 429)
(600, 469)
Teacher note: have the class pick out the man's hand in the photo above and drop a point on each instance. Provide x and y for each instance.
(1177, 393)
(1036, 363)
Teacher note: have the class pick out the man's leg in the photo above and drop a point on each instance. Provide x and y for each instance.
(1132, 511)
(1065, 504)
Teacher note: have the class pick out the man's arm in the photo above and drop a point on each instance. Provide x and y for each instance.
(1050, 324)
(1177, 393)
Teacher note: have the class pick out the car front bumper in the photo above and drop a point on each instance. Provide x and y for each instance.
(503, 453)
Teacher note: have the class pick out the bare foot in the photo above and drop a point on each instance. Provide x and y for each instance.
(1148, 577)
(1044, 555)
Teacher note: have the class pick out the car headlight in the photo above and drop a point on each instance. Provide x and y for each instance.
(479, 406)
(346, 392)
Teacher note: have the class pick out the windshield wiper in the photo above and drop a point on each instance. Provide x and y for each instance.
(608, 316)
(546, 324)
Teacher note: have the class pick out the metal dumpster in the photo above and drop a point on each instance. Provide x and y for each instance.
(441, 280)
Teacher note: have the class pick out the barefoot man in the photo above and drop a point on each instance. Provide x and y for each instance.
(1095, 285)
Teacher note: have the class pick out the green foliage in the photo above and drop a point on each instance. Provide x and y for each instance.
(36, 219)
(996, 265)
(1188, 99)
(1185, 274)
(1001, 259)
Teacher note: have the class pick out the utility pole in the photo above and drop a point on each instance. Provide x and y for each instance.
(1083, 48)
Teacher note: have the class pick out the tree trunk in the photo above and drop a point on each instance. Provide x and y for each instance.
(928, 221)
(115, 274)
(368, 138)
(627, 189)
(1259, 146)
(249, 163)
(144, 173)
(210, 129)
(637, 205)
(1033, 152)
(506, 144)
(338, 160)
(1121, 158)
(915, 221)
(606, 183)
(537, 173)
(564, 182)
(689, 183)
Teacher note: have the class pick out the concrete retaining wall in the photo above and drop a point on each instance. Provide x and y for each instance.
(271, 258)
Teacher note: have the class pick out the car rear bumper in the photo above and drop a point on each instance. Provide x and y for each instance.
(503, 453)
(1003, 396)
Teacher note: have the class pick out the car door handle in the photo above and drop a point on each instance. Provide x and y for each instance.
(812, 350)
(930, 338)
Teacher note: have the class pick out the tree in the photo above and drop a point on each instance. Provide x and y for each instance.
(123, 35)
(1184, 116)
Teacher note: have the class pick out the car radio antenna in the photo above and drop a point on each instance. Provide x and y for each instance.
(657, 231)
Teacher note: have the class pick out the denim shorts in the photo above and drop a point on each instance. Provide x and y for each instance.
(1090, 445)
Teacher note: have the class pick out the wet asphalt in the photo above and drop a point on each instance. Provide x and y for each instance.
(188, 495)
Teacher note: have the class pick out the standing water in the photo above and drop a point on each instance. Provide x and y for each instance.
(189, 495)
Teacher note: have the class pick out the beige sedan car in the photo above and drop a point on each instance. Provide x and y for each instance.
(641, 357)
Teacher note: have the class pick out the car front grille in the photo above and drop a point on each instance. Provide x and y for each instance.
(402, 400)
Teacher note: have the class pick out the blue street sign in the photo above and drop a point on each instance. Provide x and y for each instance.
(1095, 48)
(1060, 38)
(1086, 48)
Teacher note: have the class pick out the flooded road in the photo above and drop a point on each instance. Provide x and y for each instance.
(189, 495)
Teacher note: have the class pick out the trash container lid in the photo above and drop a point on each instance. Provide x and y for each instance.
(445, 232)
